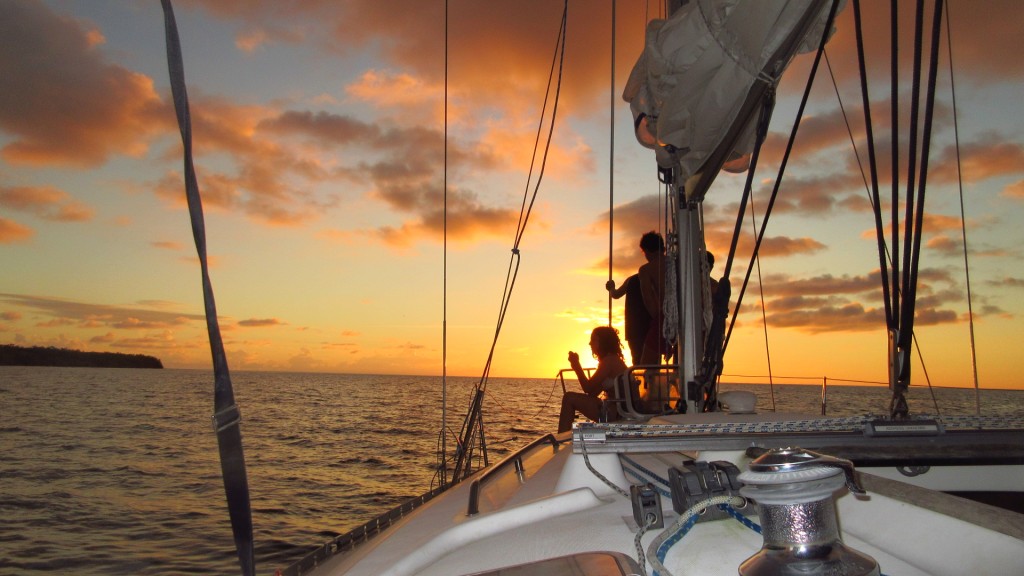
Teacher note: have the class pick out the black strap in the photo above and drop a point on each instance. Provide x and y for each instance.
(226, 418)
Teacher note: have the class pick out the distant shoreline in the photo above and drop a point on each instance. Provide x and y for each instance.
(11, 355)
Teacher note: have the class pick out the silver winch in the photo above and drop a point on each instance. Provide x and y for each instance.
(793, 490)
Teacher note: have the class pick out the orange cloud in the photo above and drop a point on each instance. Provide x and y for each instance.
(402, 157)
(388, 89)
(1015, 190)
(167, 245)
(45, 202)
(977, 35)
(11, 231)
(132, 323)
(76, 110)
(945, 245)
(260, 322)
(158, 341)
(854, 303)
(849, 317)
(403, 165)
(74, 312)
(990, 158)
(1009, 282)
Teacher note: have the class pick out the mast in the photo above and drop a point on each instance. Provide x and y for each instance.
(698, 383)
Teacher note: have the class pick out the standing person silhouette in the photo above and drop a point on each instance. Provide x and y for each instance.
(605, 346)
(652, 287)
(637, 318)
(711, 264)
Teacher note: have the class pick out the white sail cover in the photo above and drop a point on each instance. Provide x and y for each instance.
(689, 85)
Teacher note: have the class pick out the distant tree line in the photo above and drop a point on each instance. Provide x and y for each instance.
(11, 355)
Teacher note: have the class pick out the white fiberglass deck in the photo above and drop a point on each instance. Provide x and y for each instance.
(553, 505)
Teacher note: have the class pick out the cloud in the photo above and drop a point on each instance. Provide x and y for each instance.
(168, 245)
(977, 35)
(45, 202)
(133, 323)
(401, 164)
(400, 157)
(634, 218)
(990, 157)
(158, 341)
(12, 232)
(259, 322)
(946, 245)
(853, 303)
(780, 285)
(56, 323)
(1015, 190)
(61, 311)
(785, 246)
(1008, 282)
(264, 179)
(849, 317)
(268, 163)
(61, 103)
(159, 326)
(391, 89)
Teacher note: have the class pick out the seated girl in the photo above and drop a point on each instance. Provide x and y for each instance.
(605, 346)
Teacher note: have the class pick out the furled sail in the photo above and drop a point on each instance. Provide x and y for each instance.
(688, 89)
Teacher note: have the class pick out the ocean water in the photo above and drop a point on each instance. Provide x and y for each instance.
(116, 471)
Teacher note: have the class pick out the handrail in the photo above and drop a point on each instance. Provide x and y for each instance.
(806, 381)
(515, 458)
(561, 375)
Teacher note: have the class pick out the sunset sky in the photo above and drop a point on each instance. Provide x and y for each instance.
(319, 131)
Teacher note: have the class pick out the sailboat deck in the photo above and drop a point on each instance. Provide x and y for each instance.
(545, 502)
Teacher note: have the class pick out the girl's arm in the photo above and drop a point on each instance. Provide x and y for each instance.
(591, 385)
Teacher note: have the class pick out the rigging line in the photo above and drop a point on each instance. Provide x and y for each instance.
(510, 278)
(872, 165)
(856, 154)
(915, 111)
(767, 106)
(472, 421)
(963, 217)
(560, 55)
(444, 291)
(894, 82)
(911, 290)
(849, 131)
(927, 379)
(540, 127)
(782, 169)
(611, 165)
(546, 403)
(764, 317)
(226, 418)
(762, 132)
(926, 149)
